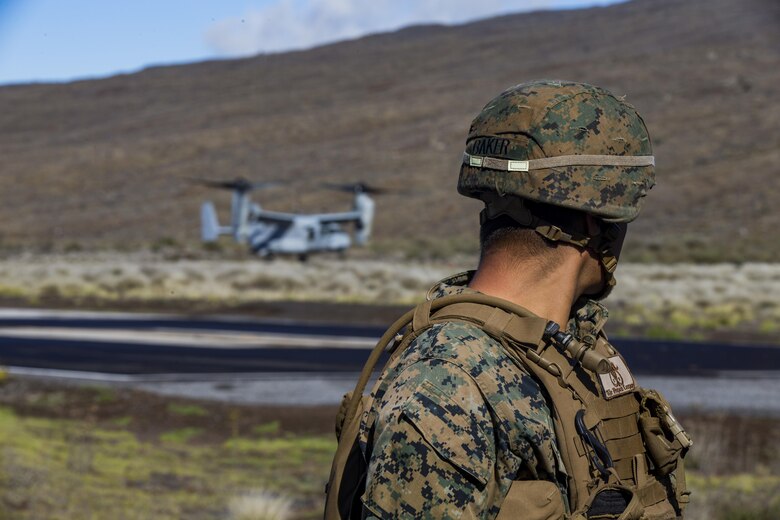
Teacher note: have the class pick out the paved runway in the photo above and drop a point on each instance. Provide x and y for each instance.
(246, 360)
(123, 343)
(151, 344)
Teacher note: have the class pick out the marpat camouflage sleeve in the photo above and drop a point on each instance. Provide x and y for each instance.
(455, 422)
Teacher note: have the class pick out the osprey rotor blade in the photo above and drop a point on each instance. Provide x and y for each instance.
(356, 187)
(239, 184)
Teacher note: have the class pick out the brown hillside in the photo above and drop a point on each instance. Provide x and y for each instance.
(99, 163)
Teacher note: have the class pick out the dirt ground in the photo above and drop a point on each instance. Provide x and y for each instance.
(741, 439)
(87, 452)
(74, 452)
(153, 415)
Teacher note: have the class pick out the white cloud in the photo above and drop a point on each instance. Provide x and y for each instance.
(283, 25)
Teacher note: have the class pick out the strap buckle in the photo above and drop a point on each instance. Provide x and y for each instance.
(610, 263)
(553, 233)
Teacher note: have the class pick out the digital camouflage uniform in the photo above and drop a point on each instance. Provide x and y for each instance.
(456, 422)
(461, 423)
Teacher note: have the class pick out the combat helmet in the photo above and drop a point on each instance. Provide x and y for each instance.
(564, 144)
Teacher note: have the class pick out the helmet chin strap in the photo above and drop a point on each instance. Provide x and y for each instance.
(605, 244)
(607, 249)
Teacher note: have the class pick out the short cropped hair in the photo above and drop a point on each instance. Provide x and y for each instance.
(502, 235)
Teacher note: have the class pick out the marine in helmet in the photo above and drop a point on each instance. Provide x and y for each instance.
(483, 412)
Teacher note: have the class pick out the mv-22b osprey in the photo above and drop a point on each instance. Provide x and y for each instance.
(269, 233)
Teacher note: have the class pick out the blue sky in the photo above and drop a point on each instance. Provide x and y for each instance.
(61, 40)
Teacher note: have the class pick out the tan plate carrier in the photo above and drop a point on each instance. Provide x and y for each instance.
(644, 440)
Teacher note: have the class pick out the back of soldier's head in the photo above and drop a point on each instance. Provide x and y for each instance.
(546, 153)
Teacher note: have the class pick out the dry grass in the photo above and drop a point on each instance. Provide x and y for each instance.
(735, 497)
(150, 277)
(681, 300)
(260, 505)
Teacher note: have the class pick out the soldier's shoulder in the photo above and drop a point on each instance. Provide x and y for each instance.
(446, 355)
(508, 386)
(455, 340)
(467, 346)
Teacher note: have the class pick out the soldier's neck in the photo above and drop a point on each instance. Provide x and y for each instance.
(547, 292)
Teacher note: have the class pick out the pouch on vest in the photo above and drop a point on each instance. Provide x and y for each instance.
(614, 502)
(664, 438)
(532, 500)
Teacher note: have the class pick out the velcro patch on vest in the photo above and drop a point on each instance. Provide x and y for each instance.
(617, 381)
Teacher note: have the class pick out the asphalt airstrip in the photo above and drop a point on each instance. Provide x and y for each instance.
(285, 361)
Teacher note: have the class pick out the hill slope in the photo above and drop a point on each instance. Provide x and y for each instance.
(100, 163)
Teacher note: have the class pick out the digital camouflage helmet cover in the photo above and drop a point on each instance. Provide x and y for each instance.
(564, 144)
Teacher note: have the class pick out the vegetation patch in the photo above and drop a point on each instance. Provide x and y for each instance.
(735, 497)
(182, 435)
(189, 410)
(69, 453)
(270, 428)
(110, 460)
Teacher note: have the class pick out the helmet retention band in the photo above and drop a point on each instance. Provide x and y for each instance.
(494, 163)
